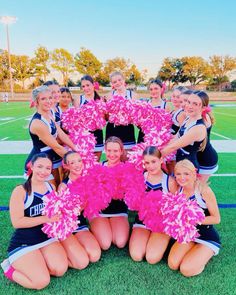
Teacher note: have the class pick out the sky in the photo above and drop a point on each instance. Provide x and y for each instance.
(144, 31)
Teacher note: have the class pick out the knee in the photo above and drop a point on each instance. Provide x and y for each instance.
(120, 243)
(136, 255)
(105, 244)
(173, 263)
(153, 258)
(80, 263)
(59, 270)
(41, 282)
(188, 270)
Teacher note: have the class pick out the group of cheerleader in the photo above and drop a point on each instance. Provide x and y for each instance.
(33, 257)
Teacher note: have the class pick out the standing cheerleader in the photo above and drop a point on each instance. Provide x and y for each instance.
(191, 258)
(156, 100)
(81, 247)
(88, 87)
(178, 114)
(32, 256)
(207, 158)
(44, 132)
(112, 226)
(143, 242)
(125, 133)
(191, 136)
(65, 101)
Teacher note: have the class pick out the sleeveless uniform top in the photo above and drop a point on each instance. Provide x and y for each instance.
(208, 158)
(24, 237)
(190, 151)
(97, 133)
(82, 220)
(208, 234)
(39, 146)
(125, 133)
(175, 125)
(57, 114)
(161, 106)
(162, 186)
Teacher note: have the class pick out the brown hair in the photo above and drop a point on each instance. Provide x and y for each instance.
(152, 151)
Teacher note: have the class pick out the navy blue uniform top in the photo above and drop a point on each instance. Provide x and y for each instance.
(57, 114)
(190, 151)
(175, 124)
(33, 206)
(38, 145)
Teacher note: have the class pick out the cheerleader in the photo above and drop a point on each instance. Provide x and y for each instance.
(112, 226)
(156, 90)
(143, 242)
(81, 247)
(178, 114)
(191, 136)
(32, 256)
(88, 86)
(207, 158)
(125, 133)
(191, 258)
(44, 133)
(184, 97)
(65, 101)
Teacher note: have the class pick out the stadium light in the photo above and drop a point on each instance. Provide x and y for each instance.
(8, 20)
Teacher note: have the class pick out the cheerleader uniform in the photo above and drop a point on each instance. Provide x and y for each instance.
(57, 115)
(82, 225)
(97, 133)
(25, 240)
(208, 158)
(125, 133)
(41, 147)
(115, 208)
(190, 151)
(162, 186)
(161, 106)
(175, 124)
(208, 235)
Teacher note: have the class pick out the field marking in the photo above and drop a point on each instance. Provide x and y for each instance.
(220, 135)
(5, 138)
(5, 109)
(6, 118)
(224, 175)
(14, 120)
(229, 115)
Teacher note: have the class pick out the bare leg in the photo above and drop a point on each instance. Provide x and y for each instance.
(138, 243)
(204, 177)
(156, 247)
(56, 259)
(177, 253)
(101, 228)
(90, 244)
(195, 260)
(120, 230)
(76, 254)
(31, 271)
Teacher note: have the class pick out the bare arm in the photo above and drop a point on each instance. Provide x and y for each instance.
(172, 185)
(210, 199)
(41, 130)
(196, 133)
(17, 211)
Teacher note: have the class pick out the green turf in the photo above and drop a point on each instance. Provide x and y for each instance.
(116, 273)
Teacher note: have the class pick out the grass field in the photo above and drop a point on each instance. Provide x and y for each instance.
(116, 273)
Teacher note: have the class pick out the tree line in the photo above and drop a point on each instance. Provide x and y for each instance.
(191, 69)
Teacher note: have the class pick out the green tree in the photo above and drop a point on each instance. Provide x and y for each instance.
(196, 69)
(40, 63)
(4, 68)
(63, 61)
(87, 63)
(220, 66)
(22, 68)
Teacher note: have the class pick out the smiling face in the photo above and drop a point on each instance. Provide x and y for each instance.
(56, 93)
(117, 82)
(155, 90)
(87, 87)
(152, 164)
(65, 99)
(193, 106)
(185, 177)
(183, 100)
(44, 101)
(114, 153)
(175, 98)
(41, 169)
(74, 164)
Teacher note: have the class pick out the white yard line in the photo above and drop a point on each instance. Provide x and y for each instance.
(224, 175)
(11, 176)
(5, 138)
(13, 120)
(220, 135)
(228, 115)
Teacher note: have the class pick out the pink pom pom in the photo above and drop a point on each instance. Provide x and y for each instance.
(67, 206)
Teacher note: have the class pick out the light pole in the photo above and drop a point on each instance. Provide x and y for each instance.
(7, 20)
